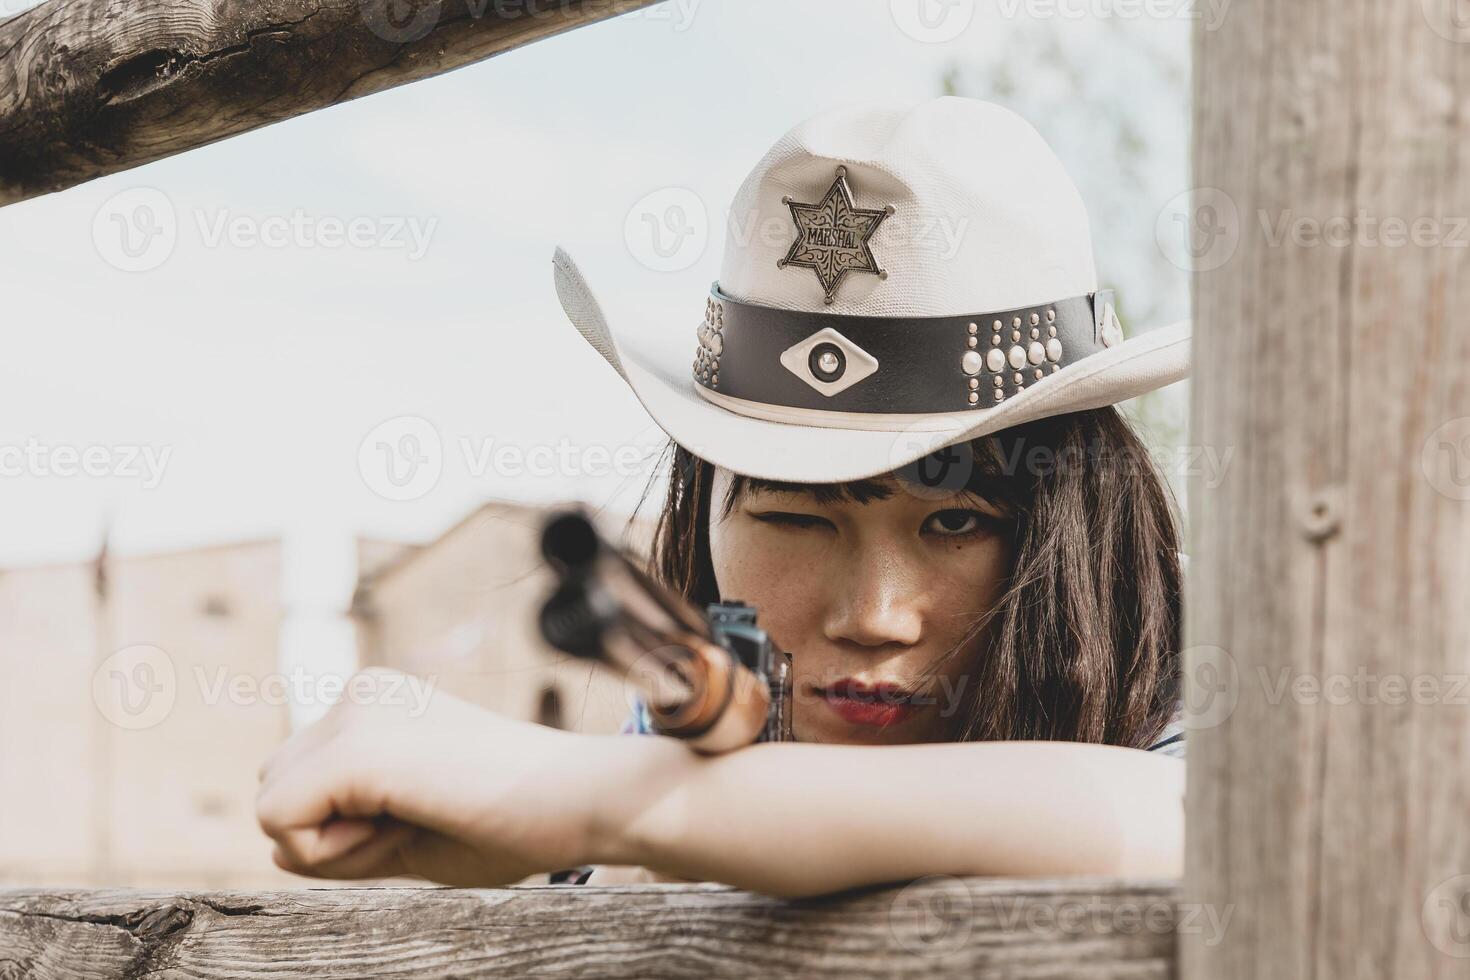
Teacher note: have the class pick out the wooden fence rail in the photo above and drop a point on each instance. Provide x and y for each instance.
(92, 87)
(1079, 929)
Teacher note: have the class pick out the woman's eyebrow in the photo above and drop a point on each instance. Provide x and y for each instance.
(858, 491)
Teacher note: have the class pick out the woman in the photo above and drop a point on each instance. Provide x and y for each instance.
(909, 463)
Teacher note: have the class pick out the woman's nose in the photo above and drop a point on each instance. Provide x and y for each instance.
(874, 601)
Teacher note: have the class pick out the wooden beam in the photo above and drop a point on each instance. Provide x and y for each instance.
(92, 87)
(940, 927)
(1327, 620)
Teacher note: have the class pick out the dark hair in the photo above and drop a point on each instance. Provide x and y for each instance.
(1083, 644)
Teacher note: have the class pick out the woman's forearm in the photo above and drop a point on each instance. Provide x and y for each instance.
(808, 819)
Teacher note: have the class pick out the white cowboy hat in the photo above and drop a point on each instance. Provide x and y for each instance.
(847, 336)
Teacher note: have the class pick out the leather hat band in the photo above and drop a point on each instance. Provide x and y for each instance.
(894, 365)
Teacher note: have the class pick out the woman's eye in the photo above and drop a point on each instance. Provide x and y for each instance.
(960, 523)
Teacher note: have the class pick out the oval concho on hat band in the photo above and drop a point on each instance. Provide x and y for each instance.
(863, 366)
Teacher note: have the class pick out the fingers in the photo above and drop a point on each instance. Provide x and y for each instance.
(377, 851)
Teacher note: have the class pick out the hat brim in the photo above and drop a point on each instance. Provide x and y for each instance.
(661, 380)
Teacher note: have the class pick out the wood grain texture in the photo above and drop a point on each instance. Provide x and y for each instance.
(91, 87)
(942, 927)
(1326, 806)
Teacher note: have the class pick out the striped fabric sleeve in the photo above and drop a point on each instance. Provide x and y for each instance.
(1171, 740)
(638, 722)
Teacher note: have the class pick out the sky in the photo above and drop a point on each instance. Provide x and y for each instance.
(207, 339)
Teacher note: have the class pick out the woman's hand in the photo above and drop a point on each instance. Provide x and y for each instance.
(456, 794)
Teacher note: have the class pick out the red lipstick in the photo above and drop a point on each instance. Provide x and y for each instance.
(875, 705)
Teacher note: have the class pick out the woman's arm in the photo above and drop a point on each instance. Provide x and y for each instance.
(809, 819)
(465, 797)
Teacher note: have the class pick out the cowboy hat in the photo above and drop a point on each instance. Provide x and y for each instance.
(847, 336)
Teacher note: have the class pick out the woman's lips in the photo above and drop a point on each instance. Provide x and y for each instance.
(877, 705)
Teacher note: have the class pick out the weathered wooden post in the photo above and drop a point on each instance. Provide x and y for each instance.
(1329, 604)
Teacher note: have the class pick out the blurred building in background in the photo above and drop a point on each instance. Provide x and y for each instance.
(143, 693)
(135, 711)
(462, 612)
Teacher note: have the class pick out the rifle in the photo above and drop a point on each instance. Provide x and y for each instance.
(711, 677)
